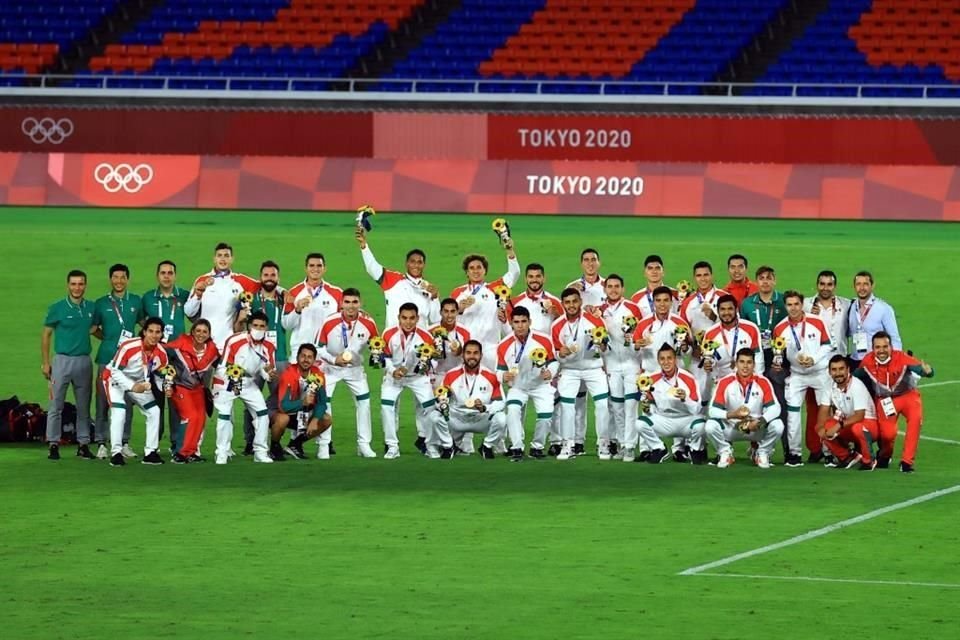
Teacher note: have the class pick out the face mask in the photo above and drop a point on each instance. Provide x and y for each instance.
(258, 334)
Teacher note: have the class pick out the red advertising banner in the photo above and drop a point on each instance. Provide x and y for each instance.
(385, 135)
(186, 131)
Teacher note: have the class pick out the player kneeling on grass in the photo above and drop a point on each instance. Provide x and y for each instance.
(525, 361)
(744, 408)
(302, 398)
(673, 411)
(128, 377)
(850, 418)
(473, 404)
(247, 356)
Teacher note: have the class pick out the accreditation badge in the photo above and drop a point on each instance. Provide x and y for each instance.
(887, 405)
(860, 342)
(766, 339)
(272, 337)
(167, 332)
(125, 335)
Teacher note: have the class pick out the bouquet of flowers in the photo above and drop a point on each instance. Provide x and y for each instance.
(234, 378)
(502, 229)
(749, 425)
(645, 387)
(244, 300)
(538, 357)
(628, 325)
(680, 339)
(377, 345)
(440, 337)
(779, 346)
(169, 374)
(502, 292)
(442, 396)
(314, 382)
(683, 289)
(598, 338)
(425, 353)
(364, 213)
(708, 348)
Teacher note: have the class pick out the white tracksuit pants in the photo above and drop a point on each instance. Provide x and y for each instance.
(623, 403)
(653, 428)
(795, 393)
(118, 414)
(721, 433)
(253, 402)
(390, 391)
(517, 400)
(355, 378)
(493, 426)
(568, 386)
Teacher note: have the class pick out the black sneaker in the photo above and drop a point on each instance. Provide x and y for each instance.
(117, 460)
(446, 453)
(554, 450)
(153, 458)
(537, 454)
(176, 458)
(276, 452)
(829, 461)
(516, 455)
(248, 449)
(614, 448)
(578, 448)
(54, 453)
(658, 455)
(421, 444)
(487, 453)
(83, 451)
(296, 451)
(815, 457)
(681, 455)
(793, 460)
(906, 467)
(196, 457)
(332, 450)
(883, 463)
(644, 456)
(698, 457)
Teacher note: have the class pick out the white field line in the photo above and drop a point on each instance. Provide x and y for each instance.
(896, 583)
(938, 384)
(932, 439)
(816, 533)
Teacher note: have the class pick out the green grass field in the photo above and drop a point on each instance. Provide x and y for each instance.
(356, 548)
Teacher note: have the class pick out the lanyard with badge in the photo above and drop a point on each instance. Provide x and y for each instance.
(403, 345)
(766, 336)
(746, 394)
(860, 336)
(736, 342)
(167, 324)
(799, 339)
(271, 332)
(124, 334)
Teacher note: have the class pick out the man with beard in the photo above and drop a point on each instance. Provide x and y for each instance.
(850, 418)
(868, 315)
(269, 300)
(729, 335)
(399, 288)
(302, 399)
(543, 307)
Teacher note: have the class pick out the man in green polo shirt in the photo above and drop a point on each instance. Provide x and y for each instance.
(69, 322)
(766, 308)
(270, 300)
(115, 316)
(166, 302)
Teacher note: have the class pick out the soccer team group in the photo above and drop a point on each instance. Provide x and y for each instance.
(671, 372)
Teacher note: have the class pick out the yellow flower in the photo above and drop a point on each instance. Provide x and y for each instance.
(245, 297)
(499, 225)
(680, 332)
(376, 343)
(502, 291)
(683, 286)
(599, 334)
(629, 323)
(426, 351)
(234, 371)
(167, 371)
(314, 379)
(439, 332)
(779, 343)
(441, 392)
(538, 356)
(710, 346)
(644, 382)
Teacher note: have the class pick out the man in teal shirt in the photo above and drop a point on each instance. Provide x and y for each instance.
(69, 323)
(766, 308)
(166, 302)
(115, 316)
(270, 300)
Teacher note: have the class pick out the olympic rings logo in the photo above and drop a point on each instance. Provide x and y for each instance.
(47, 129)
(124, 176)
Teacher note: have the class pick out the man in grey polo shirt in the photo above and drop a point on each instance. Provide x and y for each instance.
(68, 322)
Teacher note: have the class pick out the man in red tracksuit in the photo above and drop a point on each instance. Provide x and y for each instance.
(894, 375)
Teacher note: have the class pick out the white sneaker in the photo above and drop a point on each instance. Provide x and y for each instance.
(231, 453)
(262, 457)
(762, 460)
(102, 452)
(222, 458)
(566, 452)
(364, 451)
(433, 452)
(854, 461)
(725, 461)
(603, 451)
(323, 452)
(628, 456)
(393, 452)
(127, 452)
